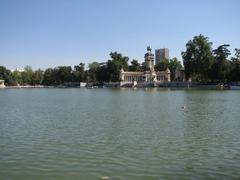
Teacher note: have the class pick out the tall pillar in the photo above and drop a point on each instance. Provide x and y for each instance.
(149, 59)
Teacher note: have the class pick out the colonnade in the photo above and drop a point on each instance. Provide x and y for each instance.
(131, 78)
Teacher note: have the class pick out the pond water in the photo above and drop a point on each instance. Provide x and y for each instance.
(119, 133)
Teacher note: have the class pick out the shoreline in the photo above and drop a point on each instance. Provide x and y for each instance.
(140, 85)
(162, 86)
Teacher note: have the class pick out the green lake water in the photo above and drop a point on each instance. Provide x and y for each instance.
(119, 133)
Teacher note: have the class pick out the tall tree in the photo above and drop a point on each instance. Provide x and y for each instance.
(102, 73)
(198, 58)
(237, 54)
(235, 67)
(64, 74)
(5, 74)
(162, 65)
(114, 65)
(49, 77)
(93, 70)
(27, 75)
(135, 66)
(37, 77)
(221, 67)
(79, 73)
(17, 77)
(173, 65)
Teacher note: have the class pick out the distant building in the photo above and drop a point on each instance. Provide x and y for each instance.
(17, 69)
(148, 76)
(161, 54)
(2, 84)
(83, 84)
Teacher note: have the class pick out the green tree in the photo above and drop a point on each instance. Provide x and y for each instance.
(79, 73)
(235, 67)
(27, 75)
(162, 65)
(102, 73)
(115, 64)
(37, 77)
(135, 66)
(237, 54)
(93, 71)
(198, 58)
(221, 66)
(5, 74)
(173, 65)
(17, 77)
(63, 74)
(49, 77)
(120, 60)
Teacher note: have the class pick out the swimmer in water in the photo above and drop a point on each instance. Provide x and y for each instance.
(184, 108)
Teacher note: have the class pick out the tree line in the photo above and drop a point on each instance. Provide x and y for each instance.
(204, 64)
(95, 72)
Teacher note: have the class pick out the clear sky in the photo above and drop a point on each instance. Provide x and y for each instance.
(49, 33)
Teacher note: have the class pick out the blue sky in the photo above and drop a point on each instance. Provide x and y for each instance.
(49, 33)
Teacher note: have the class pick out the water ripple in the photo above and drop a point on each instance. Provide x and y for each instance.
(122, 134)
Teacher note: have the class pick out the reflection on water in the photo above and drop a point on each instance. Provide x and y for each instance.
(119, 133)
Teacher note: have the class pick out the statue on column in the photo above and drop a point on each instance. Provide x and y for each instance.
(149, 49)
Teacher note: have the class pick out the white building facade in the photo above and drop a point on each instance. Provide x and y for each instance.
(2, 84)
(148, 76)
